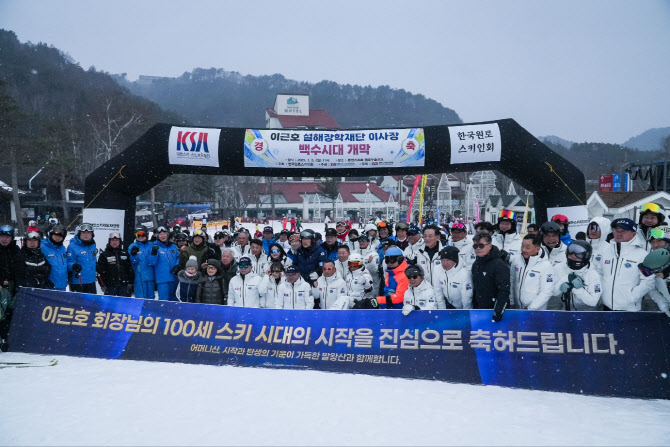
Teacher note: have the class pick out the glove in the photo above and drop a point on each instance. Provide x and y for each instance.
(498, 310)
(76, 268)
(565, 287)
(134, 250)
(313, 276)
(174, 270)
(389, 302)
(408, 308)
(577, 282)
(154, 250)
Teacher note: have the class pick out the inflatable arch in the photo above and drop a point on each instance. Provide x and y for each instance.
(501, 145)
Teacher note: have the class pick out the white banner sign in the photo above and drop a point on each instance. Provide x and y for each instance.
(105, 221)
(577, 215)
(475, 144)
(334, 149)
(194, 146)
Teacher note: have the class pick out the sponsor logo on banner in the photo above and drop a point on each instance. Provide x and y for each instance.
(194, 146)
(329, 149)
(475, 143)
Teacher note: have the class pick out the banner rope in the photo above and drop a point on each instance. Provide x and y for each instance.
(551, 168)
(96, 196)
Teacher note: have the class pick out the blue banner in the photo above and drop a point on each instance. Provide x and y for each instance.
(600, 353)
(616, 182)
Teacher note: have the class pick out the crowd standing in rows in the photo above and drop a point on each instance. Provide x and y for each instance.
(620, 265)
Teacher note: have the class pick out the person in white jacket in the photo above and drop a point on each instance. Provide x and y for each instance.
(551, 242)
(294, 293)
(531, 276)
(415, 241)
(623, 283)
(427, 257)
(420, 294)
(241, 245)
(269, 286)
(596, 234)
(243, 288)
(657, 265)
(577, 281)
(258, 257)
(459, 239)
(371, 260)
(453, 281)
(329, 286)
(507, 238)
(359, 286)
(371, 233)
(342, 262)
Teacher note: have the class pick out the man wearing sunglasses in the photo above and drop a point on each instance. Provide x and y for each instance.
(82, 260)
(140, 252)
(623, 284)
(328, 288)
(420, 294)
(415, 241)
(490, 277)
(596, 234)
(652, 215)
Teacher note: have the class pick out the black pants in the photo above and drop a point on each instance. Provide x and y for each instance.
(84, 288)
(4, 324)
(118, 290)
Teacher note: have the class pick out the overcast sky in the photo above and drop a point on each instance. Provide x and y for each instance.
(585, 70)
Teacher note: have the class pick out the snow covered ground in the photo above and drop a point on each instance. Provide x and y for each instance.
(84, 401)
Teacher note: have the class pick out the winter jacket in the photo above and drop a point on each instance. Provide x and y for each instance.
(532, 282)
(566, 239)
(259, 265)
(343, 269)
(360, 285)
(202, 252)
(402, 244)
(623, 283)
(143, 270)
(331, 250)
(372, 266)
(269, 289)
(164, 261)
(380, 249)
(243, 291)
(510, 242)
(56, 255)
(660, 293)
(83, 254)
(241, 251)
(266, 245)
(396, 284)
(114, 267)
(411, 250)
(294, 296)
(227, 274)
(556, 255)
(599, 245)
(586, 297)
(32, 269)
(466, 253)
(423, 296)
(490, 280)
(210, 290)
(427, 264)
(187, 290)
(327, 290)
(453, 287)
(309, 260)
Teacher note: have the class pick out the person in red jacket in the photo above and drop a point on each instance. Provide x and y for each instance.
(396, 283)
(32, 226)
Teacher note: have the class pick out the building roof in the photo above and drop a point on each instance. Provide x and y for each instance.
(292, 191)
(315, 118)
(620, 199)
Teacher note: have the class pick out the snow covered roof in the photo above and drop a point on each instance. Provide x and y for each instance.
(6, 188)
(292, 192)
(314, 119)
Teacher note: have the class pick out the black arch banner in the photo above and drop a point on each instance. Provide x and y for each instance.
(523, 158)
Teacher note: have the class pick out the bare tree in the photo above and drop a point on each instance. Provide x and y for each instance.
(109, 130)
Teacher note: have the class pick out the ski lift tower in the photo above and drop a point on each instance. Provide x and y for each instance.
(482, 185)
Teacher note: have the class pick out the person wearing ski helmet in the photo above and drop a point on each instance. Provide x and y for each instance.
(453, 281)
(563, 222)
(507, 238)
(597, 232)
(82, 260)
(577, 281)
(623, 283)
(420, 294)
(32, 269)
(164, 258)
(140, 252)
(551, 242)
(115, 271)
(342, 231)
(198, 248)
(310, 257)
(401, 235)
(359, 281)
(657, 266)
(56, 255)
(652, 215)
(32, 227)
(395, 281)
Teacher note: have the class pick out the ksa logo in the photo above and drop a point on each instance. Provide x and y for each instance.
(186, 141)
(191, 146)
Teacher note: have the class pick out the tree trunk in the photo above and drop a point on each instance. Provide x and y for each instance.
(15, 192)
(66, 208)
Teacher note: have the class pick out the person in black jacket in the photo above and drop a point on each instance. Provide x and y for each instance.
(32, 268)
(115, 271)
(490, 277)
(9, 259)
(210, 290)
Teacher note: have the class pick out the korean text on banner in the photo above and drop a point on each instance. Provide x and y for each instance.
(105, 221)
(334, 149)
(475, 144)
(194, 146)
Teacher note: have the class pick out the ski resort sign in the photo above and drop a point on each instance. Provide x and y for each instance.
(334, 149)
(475, 143)
(194, 146)
(621, 354)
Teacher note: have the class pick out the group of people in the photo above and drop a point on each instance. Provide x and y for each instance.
(618, 265)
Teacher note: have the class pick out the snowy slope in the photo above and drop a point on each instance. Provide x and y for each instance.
(114, 402)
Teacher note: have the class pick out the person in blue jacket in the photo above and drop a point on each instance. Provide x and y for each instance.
(310, 257)
(268, 239)
(331, 245)
(54, 251)
(82, 260)
(165, 261)
(140, 253)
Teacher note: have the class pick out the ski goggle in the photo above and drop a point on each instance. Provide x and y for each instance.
(141, 234)
(341, 224)
(162, 230)
(382, 225)
(402, 226)
(306, 235)
(86, 227)
(577, 250)
(199, 233)
(275, 251)
(6, 230)
(651, 207)
(458, 227)
(58, 232)
(507, 214)
(354, 264)
(657, 233)
(115, 235)
(594, 227)
(647, 272)
(294, 237)
(392, 259)
(33, 235)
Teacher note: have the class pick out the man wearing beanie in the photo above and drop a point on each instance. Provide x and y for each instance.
(454, 280)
